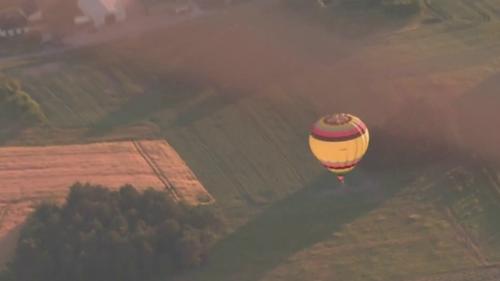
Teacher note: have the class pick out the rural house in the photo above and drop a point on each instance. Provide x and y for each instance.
(48, 17)
(15, 18)
(13, 23)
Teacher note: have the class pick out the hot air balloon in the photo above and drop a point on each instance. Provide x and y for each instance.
(339, 141)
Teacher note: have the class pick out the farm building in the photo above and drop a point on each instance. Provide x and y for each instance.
(17, 18)
(102, 12)
(20, 17)
(13, 23)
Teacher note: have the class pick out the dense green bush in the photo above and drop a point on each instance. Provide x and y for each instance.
(16, 106)
(103, 235)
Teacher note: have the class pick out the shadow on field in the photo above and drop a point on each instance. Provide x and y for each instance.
(419, 133)
(188, 97)
(477, 116)
(8, 244)
(10, 134)
(162, 93)
(295, 223)
(215, 102)
(355, 19)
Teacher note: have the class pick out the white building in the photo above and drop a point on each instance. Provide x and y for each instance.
(99, 11)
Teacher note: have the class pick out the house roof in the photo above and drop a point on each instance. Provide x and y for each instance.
(12, 18)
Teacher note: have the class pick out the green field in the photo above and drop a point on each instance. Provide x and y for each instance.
(236, 96)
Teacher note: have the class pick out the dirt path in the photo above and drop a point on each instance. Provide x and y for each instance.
(467, 239)
(154, 167)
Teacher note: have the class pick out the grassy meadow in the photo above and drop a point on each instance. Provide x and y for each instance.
(235, 96)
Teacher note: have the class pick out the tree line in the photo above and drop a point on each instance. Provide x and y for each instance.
(104, 235)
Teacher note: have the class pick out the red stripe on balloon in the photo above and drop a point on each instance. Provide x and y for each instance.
(337, 137)
(338, 134)
(340, 166)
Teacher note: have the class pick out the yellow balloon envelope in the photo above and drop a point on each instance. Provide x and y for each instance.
(339, 141)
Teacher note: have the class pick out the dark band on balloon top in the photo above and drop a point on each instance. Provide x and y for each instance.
(338, 127)
(352, 136)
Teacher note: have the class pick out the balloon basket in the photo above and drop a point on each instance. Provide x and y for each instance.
(341, 179)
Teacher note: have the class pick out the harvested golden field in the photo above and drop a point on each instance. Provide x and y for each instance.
(47, 172)
(31, 174)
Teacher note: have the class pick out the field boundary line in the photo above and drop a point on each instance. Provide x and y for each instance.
(373, 244)
(447, 275)
(156, 170)
(59, 99)
(493, 180)
(485, 17)
(462, 232)
(436, 12)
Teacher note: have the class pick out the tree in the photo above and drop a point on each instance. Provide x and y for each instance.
(189, 248)
(17, 108)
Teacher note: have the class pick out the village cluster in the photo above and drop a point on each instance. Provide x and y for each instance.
(43, 20)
